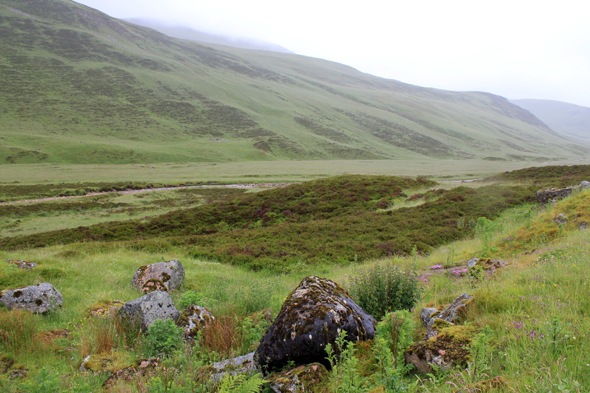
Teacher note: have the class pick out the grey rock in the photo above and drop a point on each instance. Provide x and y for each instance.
(553, 194)
(560, 219)
(157, 276)
(583, 225)
(584, 184)
(313, 315)
(145, 310)
(426, 315)
(240, 365)
(39, 299)
(23, 264)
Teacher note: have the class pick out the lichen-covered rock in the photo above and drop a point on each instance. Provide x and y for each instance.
(313, 316)
(39, 299)
(193, 319)
(450, 315)
(152, 277)
(23, 264)
(146, 309)
(445, 350)
(543, 196)
(240, 365)
(299, 379)
(103, 309)
(107, 361)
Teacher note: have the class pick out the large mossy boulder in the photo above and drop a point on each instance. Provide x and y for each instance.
(313, 315)
(144, 311)
(39, 299)
(161, 276)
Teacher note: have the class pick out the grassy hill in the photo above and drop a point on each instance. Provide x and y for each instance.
(568, 119)
(81, 87)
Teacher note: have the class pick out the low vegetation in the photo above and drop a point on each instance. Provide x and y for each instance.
(533, 311)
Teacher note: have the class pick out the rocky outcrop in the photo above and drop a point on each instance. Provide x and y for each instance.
(39, 299)
(193, 319)
(144, 311)
(553, 194)
(488, 265)
(299, 379)
(161, 276)
(313, 315)
(432, 319)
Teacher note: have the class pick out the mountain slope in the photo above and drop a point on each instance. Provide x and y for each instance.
(81, 87)
(187, 33)
(569, 119)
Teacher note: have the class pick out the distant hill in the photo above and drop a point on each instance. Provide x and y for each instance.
(81, 87)
(570, 119)
(187, 33)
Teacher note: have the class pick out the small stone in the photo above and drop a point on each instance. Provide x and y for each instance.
(561, 219)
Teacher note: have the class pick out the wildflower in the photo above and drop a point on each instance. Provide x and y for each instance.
(434, 267)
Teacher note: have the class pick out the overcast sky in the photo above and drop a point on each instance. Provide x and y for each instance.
(514, 48)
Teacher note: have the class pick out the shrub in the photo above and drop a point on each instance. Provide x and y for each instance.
(163, 337)
(384, 289)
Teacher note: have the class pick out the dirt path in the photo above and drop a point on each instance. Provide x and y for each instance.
(251, 185)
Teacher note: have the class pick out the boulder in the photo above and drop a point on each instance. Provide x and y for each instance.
(146, 309)
(157, 276)
(240, 365)
(449, 316)
(299, 379)
(193, 319)
(39, 299)
(23, 264)
(544, 195)
(313, 316)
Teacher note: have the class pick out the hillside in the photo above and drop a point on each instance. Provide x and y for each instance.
(567, 119)
(81, 87)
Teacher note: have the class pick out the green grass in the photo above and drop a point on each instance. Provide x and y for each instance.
(535, 309)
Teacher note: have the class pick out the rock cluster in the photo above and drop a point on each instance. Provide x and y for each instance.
(313, 316)
(39, 299)
(23, 264)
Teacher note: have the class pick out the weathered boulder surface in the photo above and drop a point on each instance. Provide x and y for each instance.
(146, 309)
(299, 379)
(561, 219)
(240, 365)
(159, 276)
(313, 316)
(39, 299)
(433, 319)
(193, 319)
(104, 309)
(23, 264)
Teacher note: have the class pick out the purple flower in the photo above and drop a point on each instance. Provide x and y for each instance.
(434, 267)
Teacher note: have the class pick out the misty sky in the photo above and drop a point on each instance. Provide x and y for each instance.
(516, 48)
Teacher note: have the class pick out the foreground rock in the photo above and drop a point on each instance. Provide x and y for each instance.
(144, 311)
(313, 316)
(39, 299)
(299, 379)
(193, 319)
(433, 320)
(161, 276)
